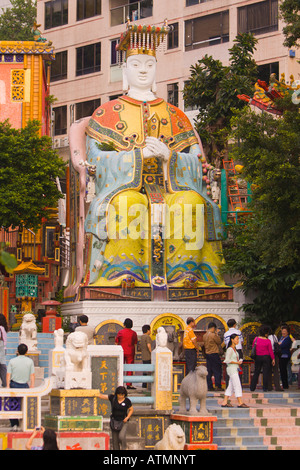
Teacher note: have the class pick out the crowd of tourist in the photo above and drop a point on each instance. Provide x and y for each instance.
(271, 354)
(272, 358)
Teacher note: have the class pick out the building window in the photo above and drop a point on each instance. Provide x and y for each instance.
(191, 107)
(60, 120)
(258, 18)
(49, 242)
(266, 70)
(59, 67)
(172, 90)
(17, 85)
(129, 9)
(86, 108)
(173, 36)
(115, 97)
(207, 30)
(56, 13)
(114, 54)
(195, 2)
(88, 8)
(88, 59)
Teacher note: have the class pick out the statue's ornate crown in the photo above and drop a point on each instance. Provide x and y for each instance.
(141, 39)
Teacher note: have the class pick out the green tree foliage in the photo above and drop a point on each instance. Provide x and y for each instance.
(290, 12)
(265, 252)
(16, 22)
(7, 260)
(28, 169)
(213, 89)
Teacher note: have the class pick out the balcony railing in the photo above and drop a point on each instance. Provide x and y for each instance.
(133, 11)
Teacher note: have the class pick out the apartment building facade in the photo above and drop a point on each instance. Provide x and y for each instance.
(84, 33)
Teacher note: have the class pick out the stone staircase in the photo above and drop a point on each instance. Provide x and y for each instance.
(271, 423)
(45, 342)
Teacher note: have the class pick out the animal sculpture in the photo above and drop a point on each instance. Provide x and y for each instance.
(173, 439)
(194, 387)
(28, 332)
(76, 357)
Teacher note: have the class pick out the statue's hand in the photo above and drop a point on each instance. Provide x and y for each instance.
(155, 148)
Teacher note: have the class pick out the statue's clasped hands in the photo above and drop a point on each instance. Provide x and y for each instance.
(156, 148)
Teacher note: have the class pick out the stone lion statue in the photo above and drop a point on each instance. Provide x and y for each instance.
(173, 439)
(76, 357)
(74, 370)
(194, 387)
(28, 332)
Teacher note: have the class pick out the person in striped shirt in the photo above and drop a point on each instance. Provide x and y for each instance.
(232, 325)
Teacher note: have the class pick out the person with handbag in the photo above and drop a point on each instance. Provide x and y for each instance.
(233, 362)
(274, 372)
(264, 358)
(121, 411)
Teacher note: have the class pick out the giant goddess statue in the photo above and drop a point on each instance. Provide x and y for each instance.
(150, 218)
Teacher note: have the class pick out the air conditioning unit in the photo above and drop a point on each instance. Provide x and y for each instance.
(60, 142)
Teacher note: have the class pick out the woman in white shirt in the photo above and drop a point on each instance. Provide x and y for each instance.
(233, 364)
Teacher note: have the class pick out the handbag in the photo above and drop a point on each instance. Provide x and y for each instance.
(221, 351)
(115, 425)
(253, 351)
(277, 349)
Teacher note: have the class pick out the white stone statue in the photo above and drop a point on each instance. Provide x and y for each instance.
(173, 439)
(75, 370)
(56, 354)
(161, 337)
(28, 332)
(59, 338)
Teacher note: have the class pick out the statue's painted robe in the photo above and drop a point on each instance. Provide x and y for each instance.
(132, 232)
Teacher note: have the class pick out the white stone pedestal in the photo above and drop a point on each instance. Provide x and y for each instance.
(143, 313)
(161, 389)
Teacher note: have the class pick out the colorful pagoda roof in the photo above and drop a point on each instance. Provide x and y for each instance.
(265, 95)
(27, 47)
(28, 267)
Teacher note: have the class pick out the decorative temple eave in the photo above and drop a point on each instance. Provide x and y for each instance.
(28, 267)
(28, 47)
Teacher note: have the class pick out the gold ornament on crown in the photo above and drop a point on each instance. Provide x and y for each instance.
(141, 39)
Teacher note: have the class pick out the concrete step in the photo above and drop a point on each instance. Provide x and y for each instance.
(272, 421)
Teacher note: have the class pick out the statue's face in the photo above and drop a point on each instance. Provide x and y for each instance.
(140, 71)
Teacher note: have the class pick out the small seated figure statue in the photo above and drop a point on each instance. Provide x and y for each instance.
(56, 354)
(161, 337)
(58, 338)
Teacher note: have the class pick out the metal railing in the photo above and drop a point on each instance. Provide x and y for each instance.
(140, 378)
(133, 11)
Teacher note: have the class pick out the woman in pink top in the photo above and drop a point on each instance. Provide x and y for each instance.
(264, 358)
